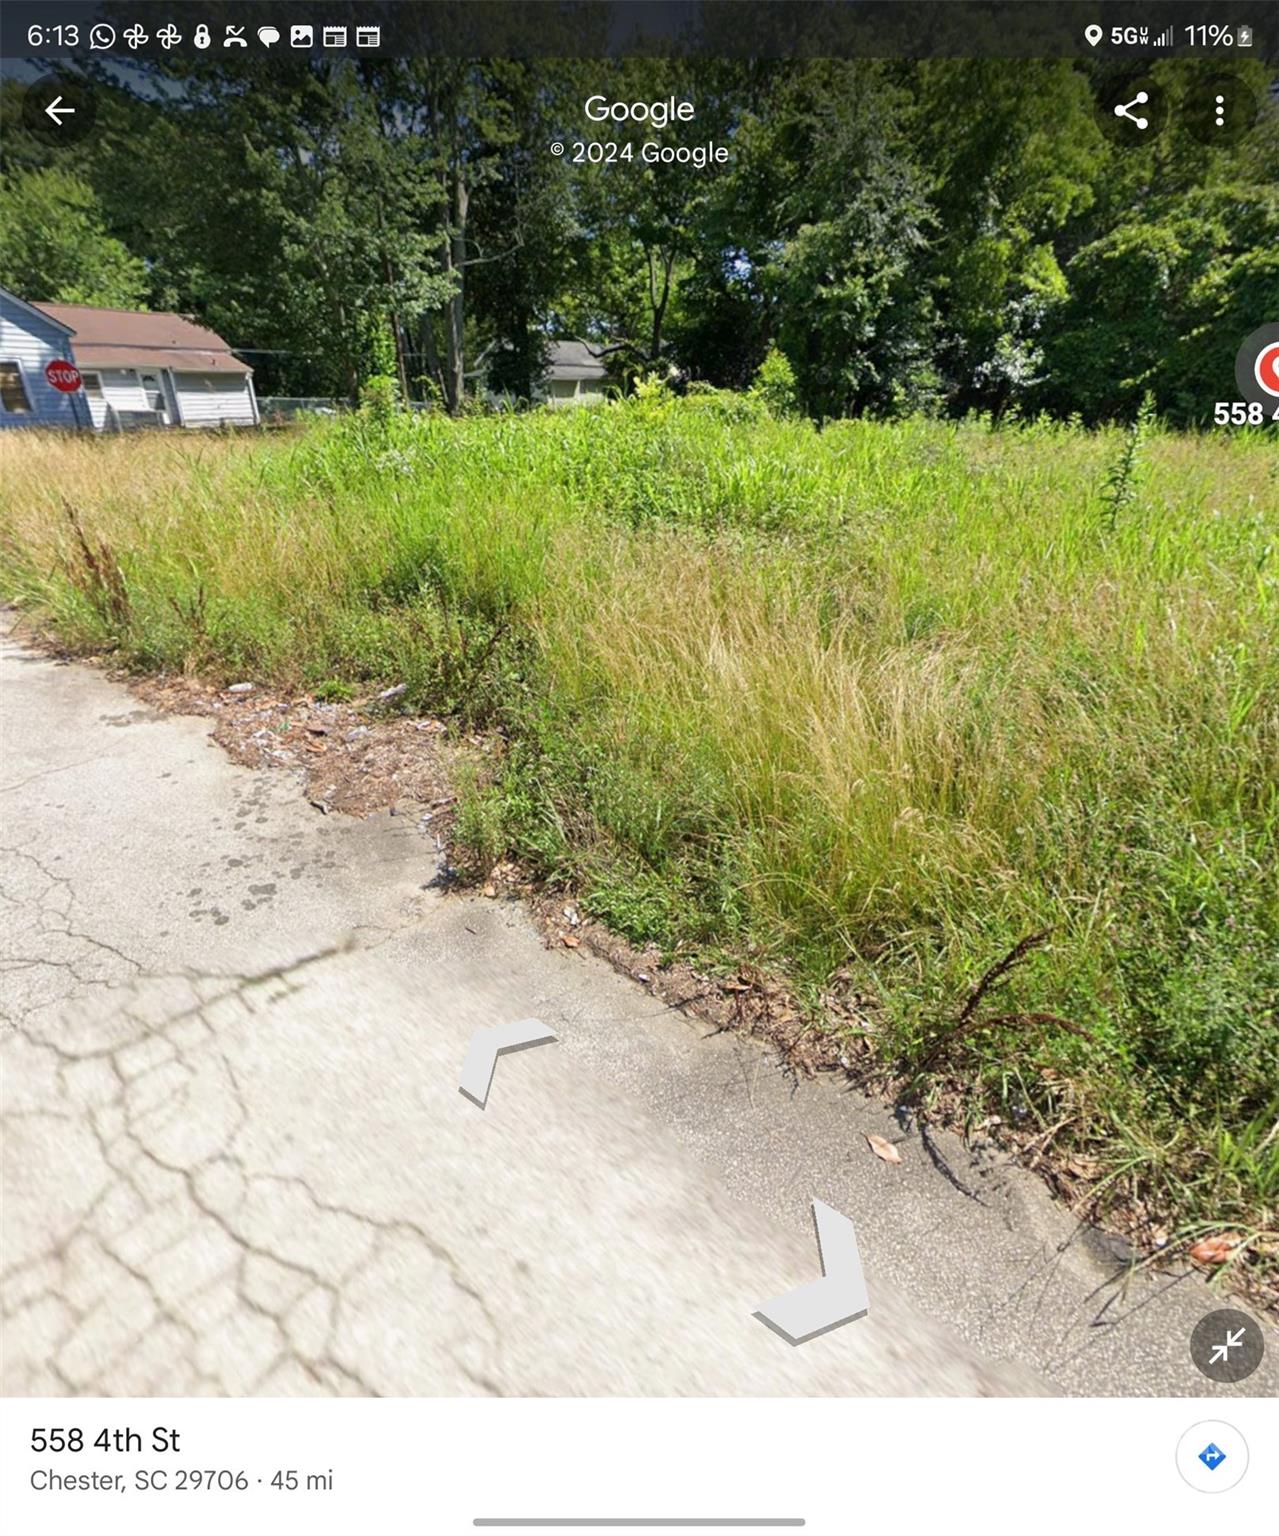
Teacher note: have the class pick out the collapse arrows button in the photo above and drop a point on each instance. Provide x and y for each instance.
(487, 1045)
(839, 1297)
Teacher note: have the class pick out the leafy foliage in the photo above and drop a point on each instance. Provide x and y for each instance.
(54, 243)
(946, 235)
(775, 383)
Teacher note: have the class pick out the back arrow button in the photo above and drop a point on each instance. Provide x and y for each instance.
(58, 111)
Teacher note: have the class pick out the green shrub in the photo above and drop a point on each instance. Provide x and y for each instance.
(380, 396)
(775, 384)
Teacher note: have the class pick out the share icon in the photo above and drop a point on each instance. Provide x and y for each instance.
(1124, 109)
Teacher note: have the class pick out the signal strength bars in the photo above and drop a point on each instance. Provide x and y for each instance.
(1165, 39)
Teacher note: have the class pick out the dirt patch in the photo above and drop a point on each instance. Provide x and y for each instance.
(749, 1001)
(354, 758)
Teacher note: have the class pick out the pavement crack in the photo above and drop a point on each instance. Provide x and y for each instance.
(49, 773)
(193, 1241)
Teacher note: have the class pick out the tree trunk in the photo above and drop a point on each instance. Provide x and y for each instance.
(397, 331)
(432, 353)
(659, 301)
(455, 369)
(350, 368)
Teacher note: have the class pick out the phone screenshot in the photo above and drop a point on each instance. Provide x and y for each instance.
(639, 791)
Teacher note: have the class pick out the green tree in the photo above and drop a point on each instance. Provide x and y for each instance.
(950, 232)
(324, 167)
(834, 222)
(1013, 157)
(1176, 261)
(462, 120)
(54, 243)
(1162, 304)
(524, 228)
(642, 224)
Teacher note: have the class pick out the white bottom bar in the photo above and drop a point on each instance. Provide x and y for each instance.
(442, 1467)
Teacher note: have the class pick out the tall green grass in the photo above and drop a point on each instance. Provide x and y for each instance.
(880, 701)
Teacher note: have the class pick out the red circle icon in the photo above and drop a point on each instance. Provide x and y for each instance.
(62, 375)
(1266, 369)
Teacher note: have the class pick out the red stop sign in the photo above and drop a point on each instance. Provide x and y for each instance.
(63, 376)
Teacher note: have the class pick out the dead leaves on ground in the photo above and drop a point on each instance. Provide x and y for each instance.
(882, 1148)
(1216, 1249)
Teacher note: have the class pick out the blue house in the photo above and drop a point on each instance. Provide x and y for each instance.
(29, 341)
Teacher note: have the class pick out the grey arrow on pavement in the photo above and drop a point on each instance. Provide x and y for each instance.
(488, 1044)
(839, 1297)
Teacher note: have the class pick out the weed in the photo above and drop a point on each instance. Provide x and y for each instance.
(1120, 489)
(97, 574)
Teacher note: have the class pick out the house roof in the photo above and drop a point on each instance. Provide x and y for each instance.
(128, 338)
(34, 309)
(574, 360)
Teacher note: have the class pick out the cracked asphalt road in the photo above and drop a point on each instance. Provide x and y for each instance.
(236, 1160)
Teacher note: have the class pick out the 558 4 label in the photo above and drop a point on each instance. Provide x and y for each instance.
(74, 1439)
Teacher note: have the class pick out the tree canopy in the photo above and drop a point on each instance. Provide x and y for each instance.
(943, 235)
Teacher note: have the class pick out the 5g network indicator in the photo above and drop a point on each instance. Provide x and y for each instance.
(1198, 36)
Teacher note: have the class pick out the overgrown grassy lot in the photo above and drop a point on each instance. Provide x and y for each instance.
(867, 707)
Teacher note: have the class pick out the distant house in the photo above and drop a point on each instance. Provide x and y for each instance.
(29, 342)
(155, 369)
(574, 375)
(136, 369)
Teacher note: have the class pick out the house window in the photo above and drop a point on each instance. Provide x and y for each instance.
(212, 383)
(92, 385)
(13, 389)
(155, 395)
